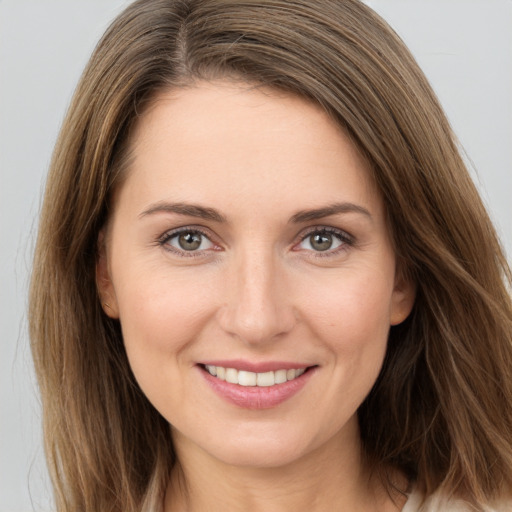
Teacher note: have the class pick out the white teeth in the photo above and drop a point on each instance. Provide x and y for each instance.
(291, 374)
(280, 376)
(232, 375)
(244, 378)
(265, 379)
(212, 369)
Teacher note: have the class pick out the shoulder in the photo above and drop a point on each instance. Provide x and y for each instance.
(438, 503)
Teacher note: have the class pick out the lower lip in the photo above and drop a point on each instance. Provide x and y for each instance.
(256, 397)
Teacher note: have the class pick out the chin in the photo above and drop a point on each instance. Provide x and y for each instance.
(262, 455)
(269, 446)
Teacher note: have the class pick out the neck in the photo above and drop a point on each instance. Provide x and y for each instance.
(331, 477)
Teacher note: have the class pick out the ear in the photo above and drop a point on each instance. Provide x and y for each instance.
(104, 283)
(403, 297)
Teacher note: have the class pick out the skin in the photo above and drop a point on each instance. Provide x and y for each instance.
(257, 289)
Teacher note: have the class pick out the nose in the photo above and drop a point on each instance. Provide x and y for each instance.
(259, 308)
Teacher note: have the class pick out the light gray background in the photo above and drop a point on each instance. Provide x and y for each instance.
(464, 46)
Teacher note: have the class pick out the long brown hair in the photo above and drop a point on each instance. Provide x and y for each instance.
(441, 410)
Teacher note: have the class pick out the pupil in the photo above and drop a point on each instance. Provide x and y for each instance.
(189, 241)
(321, 242)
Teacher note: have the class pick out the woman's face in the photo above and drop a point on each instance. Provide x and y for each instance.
(249, 242)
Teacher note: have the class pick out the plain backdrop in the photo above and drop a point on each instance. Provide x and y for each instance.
(464, 46)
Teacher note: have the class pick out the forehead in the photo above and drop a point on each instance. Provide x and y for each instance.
(219, 140)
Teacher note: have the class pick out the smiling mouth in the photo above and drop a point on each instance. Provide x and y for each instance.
(252, 379)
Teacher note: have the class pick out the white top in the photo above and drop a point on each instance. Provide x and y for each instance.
(436, 503)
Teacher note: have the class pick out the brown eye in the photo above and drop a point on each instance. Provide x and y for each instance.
(188, 241)
(321, 241)
(324, 240)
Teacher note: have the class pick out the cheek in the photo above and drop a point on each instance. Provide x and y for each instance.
(160, 316)
(354, 309)
(351, 320)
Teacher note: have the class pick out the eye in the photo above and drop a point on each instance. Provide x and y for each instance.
(324, 240)
(187, 240)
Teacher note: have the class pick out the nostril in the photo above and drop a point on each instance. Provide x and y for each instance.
(256, 322)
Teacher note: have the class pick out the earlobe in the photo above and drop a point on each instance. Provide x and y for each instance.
(104, 283)
(404, 294)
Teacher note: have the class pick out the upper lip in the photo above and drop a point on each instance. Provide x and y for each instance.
(256, 367)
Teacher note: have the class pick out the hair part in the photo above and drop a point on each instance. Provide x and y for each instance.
(441, 410)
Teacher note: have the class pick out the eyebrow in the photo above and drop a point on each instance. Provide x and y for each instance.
(333, 209)
(203, 212)
(191, 210)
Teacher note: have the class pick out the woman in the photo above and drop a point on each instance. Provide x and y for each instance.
(264, 278)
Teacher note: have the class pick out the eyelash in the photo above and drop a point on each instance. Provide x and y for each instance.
(345, 239)
(163, 241)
